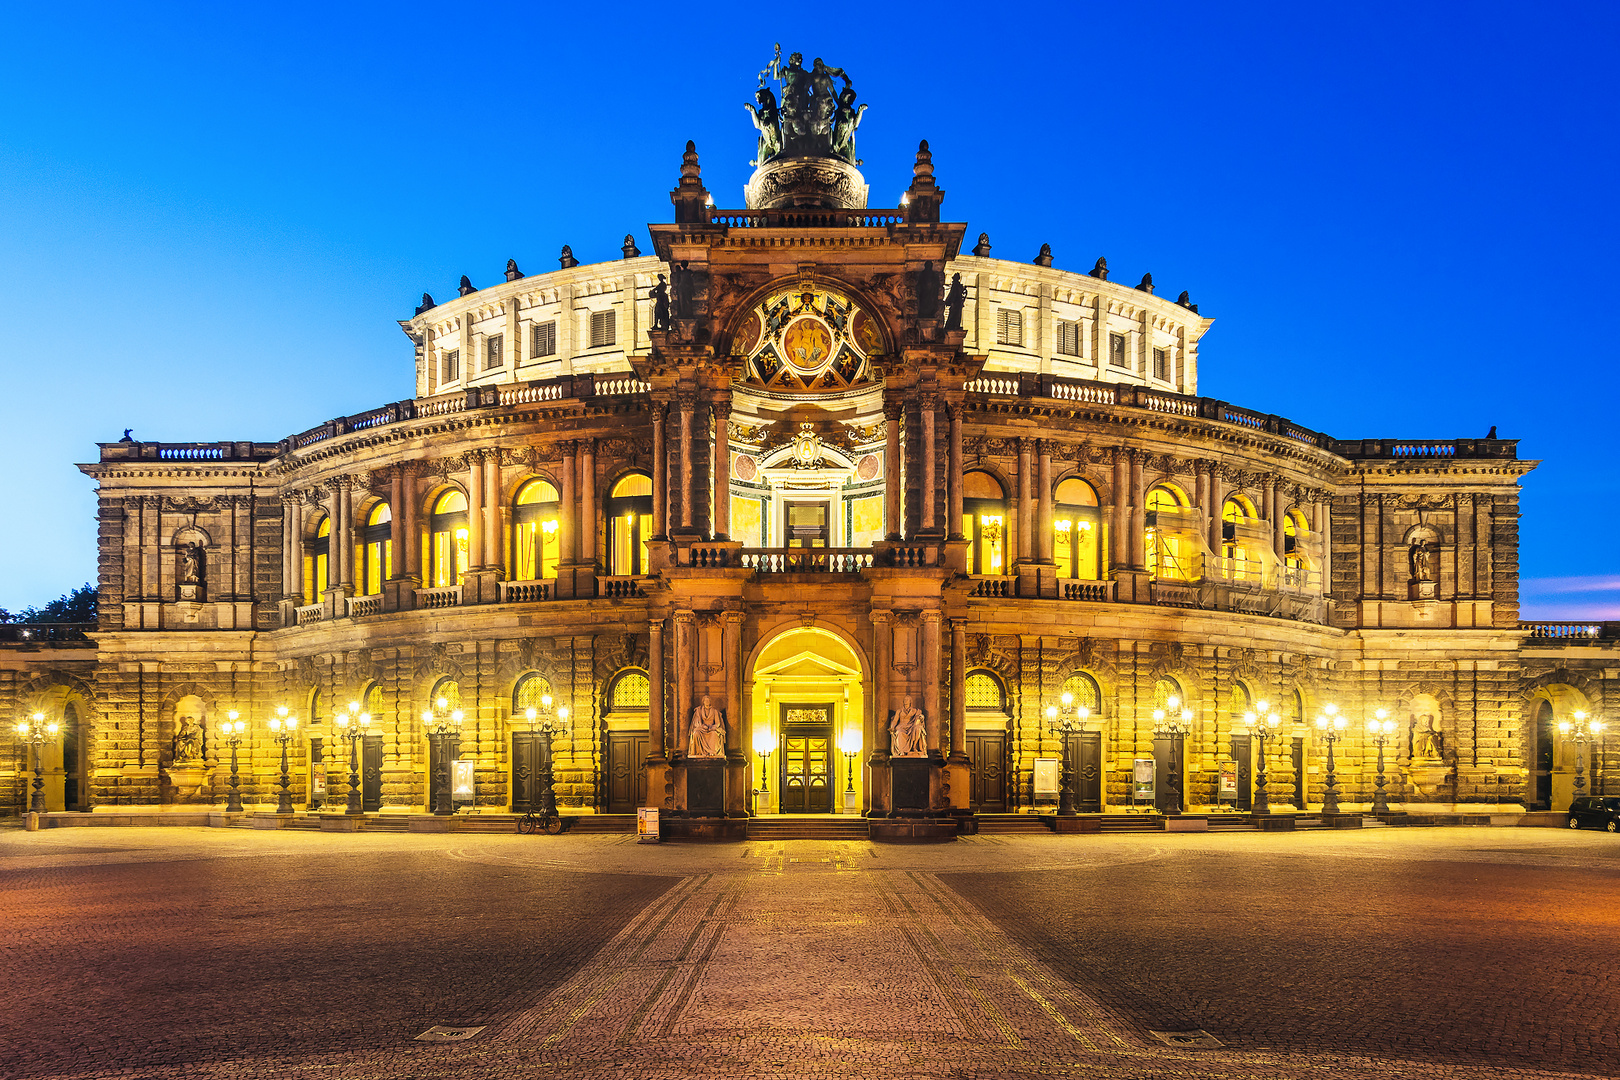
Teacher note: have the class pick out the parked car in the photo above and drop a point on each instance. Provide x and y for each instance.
(1602, 811)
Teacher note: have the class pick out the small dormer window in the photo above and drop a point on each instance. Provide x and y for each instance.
(1068, 338)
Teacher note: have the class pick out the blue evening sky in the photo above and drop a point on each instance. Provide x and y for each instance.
(1402, 217)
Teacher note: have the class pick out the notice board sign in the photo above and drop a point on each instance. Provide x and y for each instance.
(647, 825)
(1046, 776)
(1142, 779)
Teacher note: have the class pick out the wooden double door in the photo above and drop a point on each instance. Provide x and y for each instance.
(987, 753)
(808, 770)
(626, 779)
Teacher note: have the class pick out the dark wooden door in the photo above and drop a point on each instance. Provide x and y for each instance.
(987, 755)
(1299, 773)
(319, 781)
(1167, 764)
(627, 780)
(526, 750)
(371, 773)
(1544, 757)
(452, 752)
(1085, 757)
(1242, 763)
(807, 763)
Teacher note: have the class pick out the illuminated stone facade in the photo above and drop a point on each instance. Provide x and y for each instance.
(850, 466)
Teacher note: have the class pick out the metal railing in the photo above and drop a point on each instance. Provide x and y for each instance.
(61, 633)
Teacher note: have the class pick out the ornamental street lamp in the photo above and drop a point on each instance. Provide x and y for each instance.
(1379, 729)
(284, 728)
(1173, 723)
(1330, 724)
(353, 727)
(441, 722)
(548, 724)
(1583, 731)
(849, 744)
(763, 746)
(1065, 719)
(35, 733)
(1262, 725)
(231, 731)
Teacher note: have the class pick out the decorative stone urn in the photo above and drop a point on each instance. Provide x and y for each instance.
(187, 777)
(1428, 776)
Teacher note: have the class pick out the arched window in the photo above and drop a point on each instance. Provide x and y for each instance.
(372, 702)
(982, 690)
(317, 561)
(1165, 689)
(629, 692)
(1169, 553)
(447, 540)
(1077, 527)
(530, 693)
(1238, 702)
(1294, 527)
(629, 512)
(448, 691)
(376, 559)
(1236, 511)
(535, 532)
(315, 707)
(1083, 689)
(1294, 710)
(984, 523)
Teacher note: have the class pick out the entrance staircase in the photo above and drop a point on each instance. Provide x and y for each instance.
(807, 827)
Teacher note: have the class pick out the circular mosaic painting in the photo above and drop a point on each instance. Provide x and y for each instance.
(807, 338)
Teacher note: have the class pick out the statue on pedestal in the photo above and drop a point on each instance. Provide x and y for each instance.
(188, 740)
(908, 736)
(706, 737)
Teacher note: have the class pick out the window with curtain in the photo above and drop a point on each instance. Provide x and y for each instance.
(375, 551)
(984, 523)
(629, 513)
(1077, 529)
(447, 540)
(536, 527)
(317, 561)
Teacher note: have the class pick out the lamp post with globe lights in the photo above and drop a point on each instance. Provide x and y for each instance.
(1379, 729)
(1172, 723)
(849, 744)
(1582, 731)
(231, 730)
(1065, 719)
(763, 746)
(1262, 723)
(352, 726)
(548, 722)
(1331, 725)
(284, 729)
(441, 722)
(36, 731)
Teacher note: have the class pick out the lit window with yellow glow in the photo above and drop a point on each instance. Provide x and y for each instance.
(1236, 511)
(536, 532)
(984, 523)
(1076, 525)
(447, 540)
(317, 561)
(629, 513)
(1169, 553)
(375, 550)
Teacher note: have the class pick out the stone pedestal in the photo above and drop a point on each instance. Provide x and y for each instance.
(400, 594)
(706, 787)
(481, 587)
(909, 785)
(1274, 822)
(187, 777)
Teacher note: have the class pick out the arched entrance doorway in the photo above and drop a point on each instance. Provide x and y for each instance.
(1557, 758)
(808, 708)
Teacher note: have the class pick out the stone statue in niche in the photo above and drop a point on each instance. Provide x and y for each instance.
(188, 739)
(1421, 558)
(1427, 740)
(707, 735)
(684, 288)
(909, 738)
(189, 573)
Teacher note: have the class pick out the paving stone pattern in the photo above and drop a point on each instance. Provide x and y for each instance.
(218, 953)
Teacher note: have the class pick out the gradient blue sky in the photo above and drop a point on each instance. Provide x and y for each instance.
(1402, 217)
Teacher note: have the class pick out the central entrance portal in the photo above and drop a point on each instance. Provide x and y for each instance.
(807, 762)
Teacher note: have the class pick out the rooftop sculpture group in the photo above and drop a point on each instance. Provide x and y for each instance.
(813, 119)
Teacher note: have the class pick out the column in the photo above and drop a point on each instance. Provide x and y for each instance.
(655, 693)
(292, 551)
(1026, 504)
(893, 525)
(958, 688)
(660, 471)
(1216, 498)
(1201, 486)
(1117, 518)
(930, 406)
(1138, 512)
(881, 635)
(340, 547)
(587, 501)
(1279, 515)
(683, 680)
(412, 528)
(492, 508)
(953, 481)
(565, 503)
(396, 529)
(731, 640)
(930, 677)
(687, 404)
(475, 505)
(722, 470)
(152, 547)
(1043, 528)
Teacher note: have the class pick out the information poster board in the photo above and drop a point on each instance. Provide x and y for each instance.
(1142, 780)
(461, 782)
(1046, 776)
(1228, 788)
(647, 825)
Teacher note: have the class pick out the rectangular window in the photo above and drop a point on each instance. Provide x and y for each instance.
(543, 340)
(492, 351)
(452, 366)
(1068, 342)
(1161, 365)
(602, 327)
(1116, 351)
(1009, 327)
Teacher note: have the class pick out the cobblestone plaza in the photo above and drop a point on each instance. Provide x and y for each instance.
(1483, 952)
